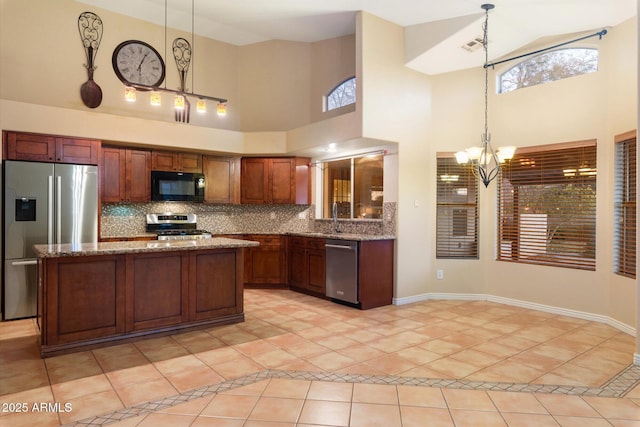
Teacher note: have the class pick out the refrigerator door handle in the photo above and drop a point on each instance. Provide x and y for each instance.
(50, 210)
(26, 262)
(59, 209)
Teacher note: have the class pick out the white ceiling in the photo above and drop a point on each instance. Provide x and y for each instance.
(434, 29)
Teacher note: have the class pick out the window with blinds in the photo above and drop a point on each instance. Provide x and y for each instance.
(457, 210)
(547, 206)
(625, 205)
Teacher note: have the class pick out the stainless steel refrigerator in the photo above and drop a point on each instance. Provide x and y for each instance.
(44, 203)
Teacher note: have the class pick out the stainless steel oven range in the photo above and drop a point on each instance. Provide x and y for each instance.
(175, 226)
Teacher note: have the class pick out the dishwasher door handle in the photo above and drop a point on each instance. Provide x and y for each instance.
(345, 248)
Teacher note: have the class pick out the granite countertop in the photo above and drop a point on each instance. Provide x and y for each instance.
(339, 236)
(113, 248)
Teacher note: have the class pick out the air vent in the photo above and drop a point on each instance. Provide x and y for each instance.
(473, 45)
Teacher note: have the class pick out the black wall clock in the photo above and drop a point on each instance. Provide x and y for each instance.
(138, 63)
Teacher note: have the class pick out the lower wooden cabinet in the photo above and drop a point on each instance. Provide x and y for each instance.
(307, 264)
(265, 264)
(87, 301)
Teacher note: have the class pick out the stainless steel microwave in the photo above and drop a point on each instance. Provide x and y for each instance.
(177, 186)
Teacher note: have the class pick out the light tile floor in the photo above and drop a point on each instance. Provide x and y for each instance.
(302, 361)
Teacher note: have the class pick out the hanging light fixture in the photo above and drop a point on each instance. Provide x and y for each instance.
(484, 160)
(183, 55)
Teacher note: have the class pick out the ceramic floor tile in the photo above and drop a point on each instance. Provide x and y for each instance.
(198, 341)
(277, 409)
(324, 412)
(516, 402)
(329, 391)
(119, 357)
(253, 348)
(614, 408)
(30, 419)
(287, 388)
(475, 400)
(529, 420)
(91, 405)
(421, 396)
(375, 393)
(80, 387)
(192, 407)
(218, 422)
(420, 417)
(166, 420)
(230, 406)
(331, 361)
(72, 366)
(145, 391)
(564, 405)
(274, 358)
(467, 418)
(372, 415)
(237, 368)
(584, 422)
(158, 349)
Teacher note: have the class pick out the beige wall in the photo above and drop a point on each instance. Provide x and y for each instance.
(422, 114)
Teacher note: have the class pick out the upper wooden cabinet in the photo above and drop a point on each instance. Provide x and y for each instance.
(278, 180)
(173, 161)
(125, 175)
(222, 179)
(50, 148)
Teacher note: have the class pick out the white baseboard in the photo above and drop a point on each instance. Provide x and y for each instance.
(523, 304)
(636, 359)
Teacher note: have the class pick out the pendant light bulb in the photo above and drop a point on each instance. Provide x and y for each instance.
(201, 106)
(130, 94)
(178, 102)
(222, 109)
(155, 98)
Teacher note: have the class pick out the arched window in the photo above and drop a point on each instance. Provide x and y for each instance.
(550, 66)
(343, 94)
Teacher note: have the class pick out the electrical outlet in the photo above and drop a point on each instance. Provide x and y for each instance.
(439, 274)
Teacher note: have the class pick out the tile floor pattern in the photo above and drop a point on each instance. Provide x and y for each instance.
(301, 361)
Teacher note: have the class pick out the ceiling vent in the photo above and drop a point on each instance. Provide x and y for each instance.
(473, 44)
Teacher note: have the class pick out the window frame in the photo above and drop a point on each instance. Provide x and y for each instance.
(450, 242)
(337, 87)
(559, 202)
(550, 78)
(625, 205)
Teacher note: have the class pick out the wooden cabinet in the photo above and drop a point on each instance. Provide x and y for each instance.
(265, 264)
(172, 161)
(157, 290)
(50, 148)
(276, 180)
(222, 179)
(88, 301)
(125, 175)
(213, 287)
(307, 262)
(83, 298)
(375, 273)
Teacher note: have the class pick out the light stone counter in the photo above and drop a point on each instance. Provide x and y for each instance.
(113, 248)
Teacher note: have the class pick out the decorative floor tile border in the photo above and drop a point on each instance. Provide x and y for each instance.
(617, 387)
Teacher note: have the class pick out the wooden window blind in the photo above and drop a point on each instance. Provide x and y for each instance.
(547, 206)
(457, 210)
(625, 205)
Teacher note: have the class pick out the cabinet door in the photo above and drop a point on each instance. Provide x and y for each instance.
(282, 181)
(298, 267)
(222, 179)
(255, 181)
(164, 161)
(157, 290)
(190, 162)
(77, 151)
(316, 268)
(112, 174)
(215, 286)
(138, 175)
(266, 265)
(84, 299)
(32, 147)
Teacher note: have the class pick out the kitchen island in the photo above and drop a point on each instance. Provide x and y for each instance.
(96, 294)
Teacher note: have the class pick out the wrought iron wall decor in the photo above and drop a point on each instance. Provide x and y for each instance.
(90, 29)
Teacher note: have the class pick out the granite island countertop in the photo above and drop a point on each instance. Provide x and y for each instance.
(339, 236)
(127, 247)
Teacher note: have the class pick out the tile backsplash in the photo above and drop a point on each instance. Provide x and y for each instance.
(128, 219)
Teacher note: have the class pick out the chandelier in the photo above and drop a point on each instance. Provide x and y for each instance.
(484, 160)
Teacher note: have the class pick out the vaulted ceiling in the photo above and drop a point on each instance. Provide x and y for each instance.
(435, 30)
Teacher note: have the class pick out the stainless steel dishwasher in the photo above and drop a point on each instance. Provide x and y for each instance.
(342, 270)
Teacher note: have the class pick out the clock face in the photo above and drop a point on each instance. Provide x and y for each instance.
(138, 63)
